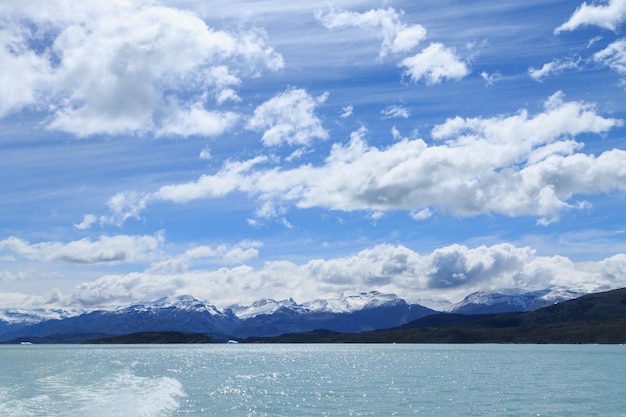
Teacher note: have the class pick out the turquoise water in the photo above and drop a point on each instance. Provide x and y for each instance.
(313, 380)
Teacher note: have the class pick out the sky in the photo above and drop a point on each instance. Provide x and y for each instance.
(239, 150)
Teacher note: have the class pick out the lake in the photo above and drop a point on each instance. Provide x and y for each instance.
(312, 380)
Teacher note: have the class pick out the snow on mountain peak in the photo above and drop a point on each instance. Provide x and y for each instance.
(510, 300)
(349, 303)
(181, 302)
(344, 303)
(14, 316)
(262, 307)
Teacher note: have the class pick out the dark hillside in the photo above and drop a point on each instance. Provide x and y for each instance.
(593, 318)
(153, 338)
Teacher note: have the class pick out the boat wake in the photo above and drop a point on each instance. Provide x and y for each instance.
(120, 395)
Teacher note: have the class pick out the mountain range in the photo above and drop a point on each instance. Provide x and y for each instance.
(592, 318)
(354, 313)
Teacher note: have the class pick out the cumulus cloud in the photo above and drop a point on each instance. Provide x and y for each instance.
(613, 56)
(608, 16)
(195, 120)
(434, 64)
(222, 254)
(107, 249)
(124, 66)
(88, 221)
(551, 68)
(125, 205)
(534, 169)
(231, 177)
(289, 118)
(397, 36)
(448, 273)
(21, 71)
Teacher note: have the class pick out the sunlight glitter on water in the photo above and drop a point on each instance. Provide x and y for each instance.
(313, 380)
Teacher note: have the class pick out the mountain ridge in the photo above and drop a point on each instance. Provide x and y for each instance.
(351, 313)
(591, 318)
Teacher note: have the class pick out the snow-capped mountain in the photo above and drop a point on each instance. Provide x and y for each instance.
(22, 316)
(265, 306)
(267, 317)
(510, 301)
(12, 320)
(345, 303)
(346, 313)
(182, 303)
(352, 303)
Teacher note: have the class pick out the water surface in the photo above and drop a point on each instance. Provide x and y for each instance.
(313, 380)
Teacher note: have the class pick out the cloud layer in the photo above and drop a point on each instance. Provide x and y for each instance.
(125, 67)
(397, 36)
(107, 249)
(341, 127)
(607, 16)
(433, 64)
(534, 169)
(289, 118)
(449, 272)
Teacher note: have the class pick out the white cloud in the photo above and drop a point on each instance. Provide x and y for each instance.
(107, 249)
(593, 41)
(407, 38)
(613, 56)
(397, 36)
(205, 154)
(491, 79)
(395, 133)
(223, 80)
(230, 178)
(607, 16)
(117, 68)
(195, 120)
(393, 112)
(550, 68)
(21, 70)
(222, 254)
(433, 64)
(123, 206)
(422, 214)
(534, 169)
(449, 272)
(296, 154)
(289, 118)
(7, 276)
(346, 112)
(88, 221)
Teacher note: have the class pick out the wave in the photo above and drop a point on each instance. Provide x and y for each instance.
(120, 395)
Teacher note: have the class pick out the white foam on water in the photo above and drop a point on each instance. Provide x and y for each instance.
(120, 395)
(30, 407)
(128, 395)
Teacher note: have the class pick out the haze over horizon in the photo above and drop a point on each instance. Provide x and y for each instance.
(243, 150)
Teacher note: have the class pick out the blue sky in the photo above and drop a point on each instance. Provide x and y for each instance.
(242, 150)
